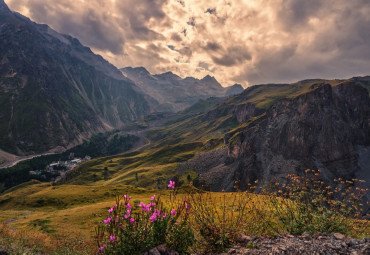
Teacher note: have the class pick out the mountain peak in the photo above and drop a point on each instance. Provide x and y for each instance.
(137, 70)
(168, 76)
(209, 78)
(3, 6)
(234, 89)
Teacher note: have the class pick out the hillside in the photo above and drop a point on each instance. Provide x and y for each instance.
(56, 92)
(174, 93)
(322, 125)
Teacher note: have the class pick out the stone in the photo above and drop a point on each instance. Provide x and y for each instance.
(282, 248)
(244, 238)
(306, 236)
(162, 249)
(339, 236)
(154, 251)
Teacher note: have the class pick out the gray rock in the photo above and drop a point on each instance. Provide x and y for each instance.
(154, 251)
(339, 236)
(162, 249)
(244, 238)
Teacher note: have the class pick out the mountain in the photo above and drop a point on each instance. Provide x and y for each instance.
(263, 133)
(56, 92)
(326, 128)
(174, 93)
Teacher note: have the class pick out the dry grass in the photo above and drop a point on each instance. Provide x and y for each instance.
(66, 218)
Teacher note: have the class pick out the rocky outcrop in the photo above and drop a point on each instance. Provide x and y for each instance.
(327, 128)
(320, 243)
(323, 129)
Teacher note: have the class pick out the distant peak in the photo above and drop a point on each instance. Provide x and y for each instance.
(236, 85)
(209, 78)
(168, 76)
(139, 70)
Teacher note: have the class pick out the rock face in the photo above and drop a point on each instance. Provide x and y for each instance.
(323, 129)
(174, 93)
(56, 92)
(327, 128)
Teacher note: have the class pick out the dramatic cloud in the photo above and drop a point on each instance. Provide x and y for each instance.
(246, 41)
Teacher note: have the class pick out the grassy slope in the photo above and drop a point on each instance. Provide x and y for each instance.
(67, 212)
(181, 139)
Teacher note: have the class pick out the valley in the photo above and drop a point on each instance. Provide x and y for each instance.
(210, 169)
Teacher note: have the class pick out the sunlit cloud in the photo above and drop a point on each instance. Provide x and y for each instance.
(247, 42)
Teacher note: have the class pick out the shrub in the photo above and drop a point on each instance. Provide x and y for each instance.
(218, 219)
(306, 204)
(131, 229)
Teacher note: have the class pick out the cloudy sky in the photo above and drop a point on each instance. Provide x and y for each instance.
(237, 41)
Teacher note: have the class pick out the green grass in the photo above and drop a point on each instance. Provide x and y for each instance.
(149, 168)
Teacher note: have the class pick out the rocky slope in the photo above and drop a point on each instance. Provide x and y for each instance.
(173, 92)
(56, 92)
(304, 244)
(327, 128)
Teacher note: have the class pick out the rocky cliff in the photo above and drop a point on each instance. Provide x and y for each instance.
(327, 128)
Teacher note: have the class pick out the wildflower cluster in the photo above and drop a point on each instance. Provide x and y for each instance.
(133, 229)
(308, 204)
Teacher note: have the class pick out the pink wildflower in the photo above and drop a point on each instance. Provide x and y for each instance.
(111, 209)
(125, 196)
(173, 212)
(101, 249)
(117, 219)
(153, 217)
(186, 205)
(164, 216)
(152, 198)
(141, 204)
(128, 214)
(132, 220)
(120, 227)
(172, 184)
(107, 221)
(147, 208)
(112, 238)
(128, 206)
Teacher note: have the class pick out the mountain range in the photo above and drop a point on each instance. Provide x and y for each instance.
(262, 134)
(174, 93)
(55, 92)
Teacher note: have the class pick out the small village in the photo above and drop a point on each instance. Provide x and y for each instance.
(58, 169)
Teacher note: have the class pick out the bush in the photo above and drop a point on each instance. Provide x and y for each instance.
(218, 219)
(131, 229)
(306, 204)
